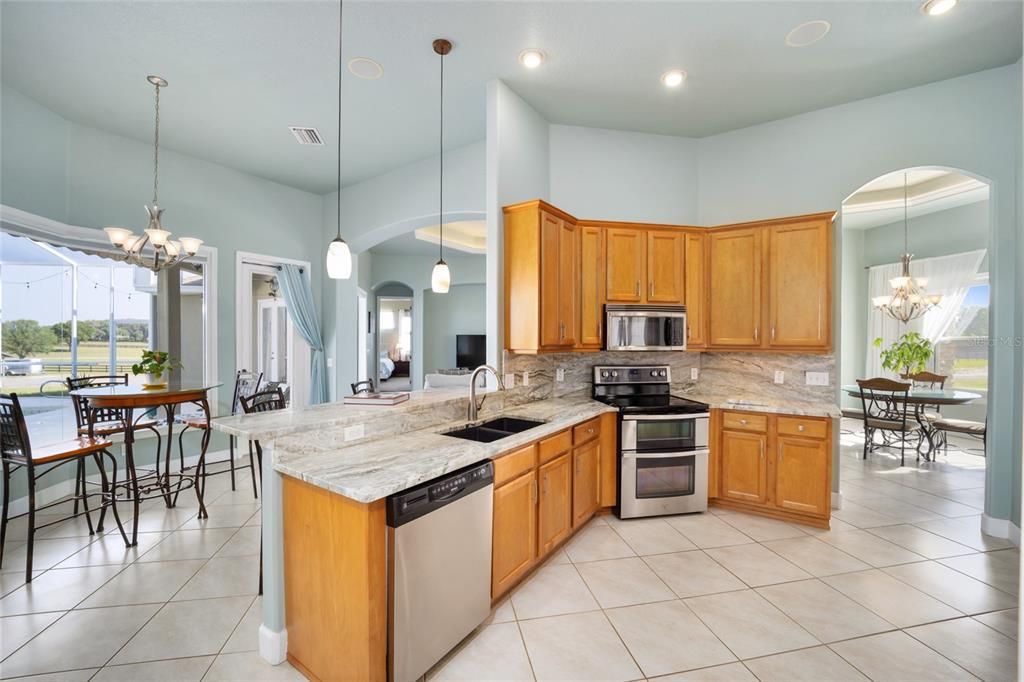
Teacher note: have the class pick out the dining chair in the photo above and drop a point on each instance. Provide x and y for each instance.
(16, 452)
(365, 386)
(929, 412)
(884, 403)
(965, 427)
(267, 400)
(246, 383)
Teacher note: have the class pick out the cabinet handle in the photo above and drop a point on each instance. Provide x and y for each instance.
(599, 337)
(755, 333)
(561, 330)
(577, 465)
(762, 449)
(650, 289)
(800, 428)
(533, 490)
(547, 486)
(780, 452)
(743, 422)
(591, 429)
(638, 288)
(773, 333)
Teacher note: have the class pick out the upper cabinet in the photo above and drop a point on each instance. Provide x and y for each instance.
(734, 292)
(644, 266)
(695, 290)
(626, 273)
(799, 277)
(592, 268)
(665, 266)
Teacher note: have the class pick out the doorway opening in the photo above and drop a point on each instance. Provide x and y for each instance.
(394, 337)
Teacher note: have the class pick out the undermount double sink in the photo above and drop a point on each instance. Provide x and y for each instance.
(494, 429)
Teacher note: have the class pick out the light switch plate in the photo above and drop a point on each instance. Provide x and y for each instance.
(780, 376)
(330, 363)
(817, 378)
(510, 380)
(694, 373)
(526, 378)
(560, 374)
(354, 432)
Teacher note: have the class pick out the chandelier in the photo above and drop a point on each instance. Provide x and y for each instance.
(908, 299)
(164, 252)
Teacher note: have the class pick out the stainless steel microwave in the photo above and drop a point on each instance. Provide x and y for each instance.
(645, 327)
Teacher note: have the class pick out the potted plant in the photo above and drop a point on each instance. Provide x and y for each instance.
(907, 355)
(156, 365)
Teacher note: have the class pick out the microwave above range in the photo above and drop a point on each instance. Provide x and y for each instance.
(645, 327)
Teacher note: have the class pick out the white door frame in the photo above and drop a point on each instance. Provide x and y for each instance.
(362, 332)
(246, 265)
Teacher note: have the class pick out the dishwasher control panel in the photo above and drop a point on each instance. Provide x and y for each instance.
(424, 498)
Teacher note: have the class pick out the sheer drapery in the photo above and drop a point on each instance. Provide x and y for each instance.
(298, 296)
(881, 325)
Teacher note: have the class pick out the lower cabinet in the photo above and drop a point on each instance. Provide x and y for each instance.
(779, 466)
(514, 545)
(555, 515)
(585, 482)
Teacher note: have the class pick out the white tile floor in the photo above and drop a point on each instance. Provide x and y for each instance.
(904, 587)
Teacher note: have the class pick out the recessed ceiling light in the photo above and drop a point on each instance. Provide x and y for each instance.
(934, 8)
(365, 68)
(673, 78)
(531, 58)
(808, 33)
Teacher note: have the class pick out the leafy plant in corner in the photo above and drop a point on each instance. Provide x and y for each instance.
(155, 363)
(907, 355)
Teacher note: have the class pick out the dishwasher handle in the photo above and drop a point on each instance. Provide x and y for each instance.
(424, 498)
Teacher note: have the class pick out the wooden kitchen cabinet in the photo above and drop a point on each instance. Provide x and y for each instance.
(799, 283)
(558, 281)
(609, 463)
(695, 290)
(592, 281)
(665, 263)
(744, 468)
(554, 517)
(734, 287)
(801, 465)
(585, 482)
(626, 265)
(514, 545)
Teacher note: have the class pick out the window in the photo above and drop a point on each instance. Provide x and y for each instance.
(961, 353)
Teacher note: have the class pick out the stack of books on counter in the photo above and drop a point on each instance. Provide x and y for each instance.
(384, 398)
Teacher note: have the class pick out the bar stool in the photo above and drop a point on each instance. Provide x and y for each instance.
(246, 384)
(16, 452)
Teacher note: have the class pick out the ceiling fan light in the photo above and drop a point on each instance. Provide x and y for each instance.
(440, 278)
(339, 260)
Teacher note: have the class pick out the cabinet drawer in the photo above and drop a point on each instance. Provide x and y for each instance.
(555, 445)
(742, 421)
(802, 426)
(507, 467)
(586, 431)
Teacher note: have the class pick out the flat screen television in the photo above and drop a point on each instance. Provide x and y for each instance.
(470, 350)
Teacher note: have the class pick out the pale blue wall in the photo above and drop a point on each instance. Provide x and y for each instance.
(461, 311)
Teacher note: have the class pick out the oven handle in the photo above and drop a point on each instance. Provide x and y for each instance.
(667, 455)
(663, 417)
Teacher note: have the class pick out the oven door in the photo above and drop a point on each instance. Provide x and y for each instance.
(664, 432)
(657, 483)
(640, 328)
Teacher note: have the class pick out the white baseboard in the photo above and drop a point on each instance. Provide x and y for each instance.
(273, 645)
(1000, 528)
(837, 500)
(66, 488)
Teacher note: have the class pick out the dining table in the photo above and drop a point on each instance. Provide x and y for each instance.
(921, 397)
(132, 403)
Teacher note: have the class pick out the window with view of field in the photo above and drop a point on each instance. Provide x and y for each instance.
(962, 352)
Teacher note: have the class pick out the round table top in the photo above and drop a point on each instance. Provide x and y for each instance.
(139, 396)
(930, 396)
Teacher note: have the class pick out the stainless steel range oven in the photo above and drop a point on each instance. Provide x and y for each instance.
(663, 442)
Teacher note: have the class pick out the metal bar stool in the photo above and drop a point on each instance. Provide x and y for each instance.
(16, 452)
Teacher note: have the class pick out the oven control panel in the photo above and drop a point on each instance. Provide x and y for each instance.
(652, 374)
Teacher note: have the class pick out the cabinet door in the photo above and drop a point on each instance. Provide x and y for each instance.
(609, 463)
(514, 542)
(802, 481)
(591, 250)
(586, 460)
(568, 283)
(550, 279)
(665, 267)
(625, 264)
(555, 508)
(799, 282)
(695, 291)
(735, 288)
(744, 470)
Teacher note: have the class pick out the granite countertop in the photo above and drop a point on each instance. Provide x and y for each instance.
(371, 469)
(732, 401)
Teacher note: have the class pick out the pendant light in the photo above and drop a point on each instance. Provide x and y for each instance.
(339, 257)
(908, 299)
(167, 252)
(441, 277)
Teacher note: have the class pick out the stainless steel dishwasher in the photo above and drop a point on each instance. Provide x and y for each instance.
(439, 549)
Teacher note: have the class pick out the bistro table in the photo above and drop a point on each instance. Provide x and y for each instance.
(132, 404)
(919, 398)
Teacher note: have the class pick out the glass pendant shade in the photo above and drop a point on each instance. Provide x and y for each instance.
(117, 235)
(339, 260)
(440, 278)
(157, 237)
(191, 245)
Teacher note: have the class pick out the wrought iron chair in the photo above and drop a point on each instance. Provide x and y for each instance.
(246, 384)
(964, 427)
(365, 386)
(930, 413)
(267, 400)
(884, 403)
(16, 452)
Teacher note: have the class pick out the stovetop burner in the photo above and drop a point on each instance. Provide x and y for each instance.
(654, 404)
(644, 389)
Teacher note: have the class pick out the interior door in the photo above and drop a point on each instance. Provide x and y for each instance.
(695, 291)
(799, 281)
(801, 475)
(735, 288)
(625, 265)
(273, 340)
(591, 241)
(665, 267)
(744, 467)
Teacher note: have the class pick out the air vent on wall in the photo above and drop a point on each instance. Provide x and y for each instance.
(306, 135)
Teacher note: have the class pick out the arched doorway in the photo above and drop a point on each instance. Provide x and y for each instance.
(394, 337)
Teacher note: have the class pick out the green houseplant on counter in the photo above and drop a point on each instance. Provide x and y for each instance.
(907, 355)
(156, 365)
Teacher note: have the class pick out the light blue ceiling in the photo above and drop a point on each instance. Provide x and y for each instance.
(241, 72)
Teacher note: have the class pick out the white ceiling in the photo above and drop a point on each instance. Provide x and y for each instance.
(881, 201)
(241, 72)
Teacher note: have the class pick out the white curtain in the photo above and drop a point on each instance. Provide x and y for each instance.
(950, 276)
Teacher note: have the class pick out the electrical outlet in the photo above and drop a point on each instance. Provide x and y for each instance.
(330, 363)
(560, 374)
(510, 380)
(354, 432)
(694, 373)
(526, 378)
(817, 378)
(780, 376)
